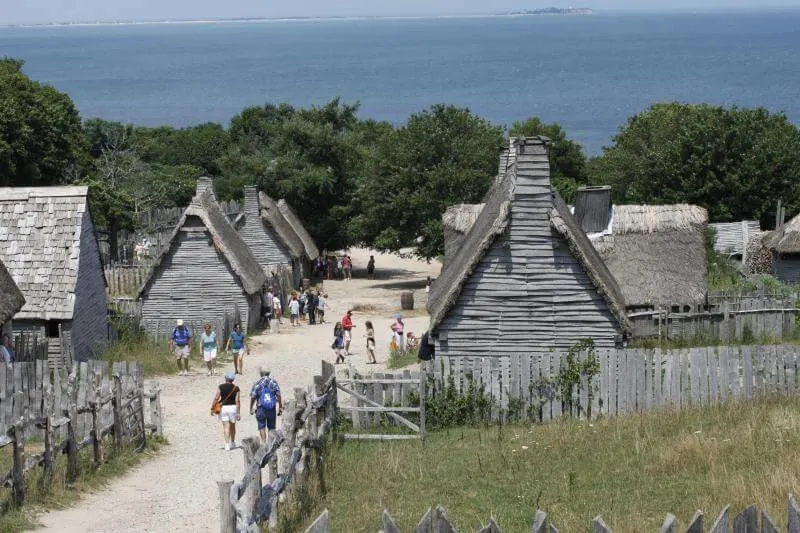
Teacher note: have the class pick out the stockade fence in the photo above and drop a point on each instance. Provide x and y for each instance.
(525, 386)
(72, 411)
(160, 330)
(125, 279)
(380, 399)
(287, 455)
(729, 320)
(436, 521)
(29, 346)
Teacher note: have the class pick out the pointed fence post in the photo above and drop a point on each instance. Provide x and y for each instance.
(539, 522)
(47, 476)
(388, 523)
(696, 525)
(117, 406)
(72, 440)
(252, 494)
(599, 526)
(794, 516)
(320, 525)
(670, 524)
(227, 518)
(722, 522)
(18, 473)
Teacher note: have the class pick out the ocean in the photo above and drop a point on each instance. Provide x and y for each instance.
(588, 73)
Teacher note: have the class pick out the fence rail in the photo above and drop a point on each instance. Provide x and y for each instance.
(436, 521)
(307, 420)
(72, 412)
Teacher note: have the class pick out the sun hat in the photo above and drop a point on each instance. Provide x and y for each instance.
(230, 376)
(180, 321)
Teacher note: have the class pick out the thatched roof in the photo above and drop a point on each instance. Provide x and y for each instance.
(310, 248)
(461, 217)
(491, 222)
(40, 244)
(272, 215)
(657, 253)
(785, 240)
(226, 240)
(11, 298)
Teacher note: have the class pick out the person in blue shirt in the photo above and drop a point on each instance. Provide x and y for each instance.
(179, 345)
(238, 346)
(265, 399)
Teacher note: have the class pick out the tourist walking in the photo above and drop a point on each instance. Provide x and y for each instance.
(277, 308)
(265, 396)
(398, 327)
(322, 304)
(338, 343)
(347, 268)
(371, 267)
(347, 325)
(210, 346)
(226, 405)
(238, 346)
(179, 345)
(370, 342)
(311, 307)
(294, 310)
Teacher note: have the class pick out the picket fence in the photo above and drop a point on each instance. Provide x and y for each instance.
(728, 320)
(29, 346)
(629, 380)
(70, 411)
(125, 279)
(436, 521)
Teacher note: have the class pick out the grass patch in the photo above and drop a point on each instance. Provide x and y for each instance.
(59, 493)
(155, 358)
(402, 358)
(633, 470)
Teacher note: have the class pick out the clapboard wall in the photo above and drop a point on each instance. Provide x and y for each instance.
(786, 267)
(262, 240)
(194, 281)
(528, 293)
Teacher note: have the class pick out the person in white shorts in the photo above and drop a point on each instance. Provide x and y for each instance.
(179, 345)
(228, 396)
(210, 346)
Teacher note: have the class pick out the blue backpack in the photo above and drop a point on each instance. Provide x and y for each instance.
(267, 399)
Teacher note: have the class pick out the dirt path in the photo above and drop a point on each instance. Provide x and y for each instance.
(177, 490)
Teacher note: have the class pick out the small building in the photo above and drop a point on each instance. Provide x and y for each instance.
(268, 235)
(11, 299)
(457, 221)
(48, 244)
(784, 245)
(310, 250)
(732, 239)
(205, 270)
(526, 278)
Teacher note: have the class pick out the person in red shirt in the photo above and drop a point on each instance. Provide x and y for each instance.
(347, 325)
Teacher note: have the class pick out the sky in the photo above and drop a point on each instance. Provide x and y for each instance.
(46, 11)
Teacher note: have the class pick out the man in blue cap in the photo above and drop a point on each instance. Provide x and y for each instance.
(265, 398)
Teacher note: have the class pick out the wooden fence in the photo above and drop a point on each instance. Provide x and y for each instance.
(125, 279)
(524, 386)
(29, 346)
(160, 330)
(71, 412)
(727, 321)
(436, 521)
(307, 421)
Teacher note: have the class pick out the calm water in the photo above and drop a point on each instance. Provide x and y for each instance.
(588, 73)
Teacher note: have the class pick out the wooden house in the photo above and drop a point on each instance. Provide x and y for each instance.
(526, 278)
(784, 245)
(457, 221)
(310, 251)
(268, 235)
(48, 244)
(11, 299)
(205, 270)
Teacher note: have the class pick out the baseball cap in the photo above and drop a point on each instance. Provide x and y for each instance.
(180, 321)
(230, 376)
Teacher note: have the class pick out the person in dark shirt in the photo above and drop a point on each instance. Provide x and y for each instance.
(228, 396)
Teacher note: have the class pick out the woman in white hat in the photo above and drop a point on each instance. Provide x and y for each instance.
(228, 396)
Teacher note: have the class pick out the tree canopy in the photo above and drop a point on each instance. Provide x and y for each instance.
(41, 138)
(734, 162)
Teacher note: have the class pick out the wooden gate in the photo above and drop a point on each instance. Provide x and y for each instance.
(380, 401)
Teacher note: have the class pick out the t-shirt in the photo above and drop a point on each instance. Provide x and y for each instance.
(209, 342)
(237, 340)
(6, 355)
(321, 302)
(294, 307)
(347, 323)
(266, 381)
(276, 303)
(181, 335)
(225, 391)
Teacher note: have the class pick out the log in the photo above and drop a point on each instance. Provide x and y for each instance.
(252, 493)
(227, 518)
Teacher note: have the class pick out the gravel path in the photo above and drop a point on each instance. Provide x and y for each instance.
(177, 491)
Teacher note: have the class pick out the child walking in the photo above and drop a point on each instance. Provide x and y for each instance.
(370, 343)
(338, 342)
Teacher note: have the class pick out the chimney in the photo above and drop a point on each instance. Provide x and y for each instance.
(204, 183)
(593, 208)
(251, 207)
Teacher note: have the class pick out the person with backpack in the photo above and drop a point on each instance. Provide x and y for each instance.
(265, 397)
(179, 345)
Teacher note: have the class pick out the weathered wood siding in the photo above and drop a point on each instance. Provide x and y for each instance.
(786, 267)
(260, 238)
(90, 316)
(528, 294)
(194, 281)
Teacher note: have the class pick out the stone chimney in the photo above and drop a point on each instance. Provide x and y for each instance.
(204, 183)
(593, 208)
(251, 207)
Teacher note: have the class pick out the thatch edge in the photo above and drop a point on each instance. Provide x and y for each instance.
(271, 214)
(310, 247)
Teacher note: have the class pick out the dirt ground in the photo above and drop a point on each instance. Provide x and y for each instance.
(177, 490)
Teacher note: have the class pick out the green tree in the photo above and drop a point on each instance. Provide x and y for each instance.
(567, 161)
(443, 156)
(41, 138)
(196, 146)
(734, 162)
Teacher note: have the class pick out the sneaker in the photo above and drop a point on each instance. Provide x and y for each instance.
(213, 372)
(227, 444)
(233, 445)
(208, 373)
(180, 372)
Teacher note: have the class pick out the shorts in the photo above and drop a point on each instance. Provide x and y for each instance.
(238, 352)
(182, 352)
(295, 316)
(228, 413)
(209, 355)
(266, 418)
(347, 335)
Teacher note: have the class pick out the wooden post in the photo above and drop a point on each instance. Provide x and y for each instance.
(227, 518)
(252, 494)
(97, 444)
(117, 405)
(47, 476)
(72, 441)
(18, 474)
(423, 385)
(141, 416)
(155, 408)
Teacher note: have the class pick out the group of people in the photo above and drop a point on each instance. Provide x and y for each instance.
(331, 266)
(343, 336)
(180, 345)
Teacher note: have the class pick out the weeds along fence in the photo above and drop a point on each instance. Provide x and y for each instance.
(748, 521)
(286, 456)
(72, 411)
(729, 320)
(588, 383)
